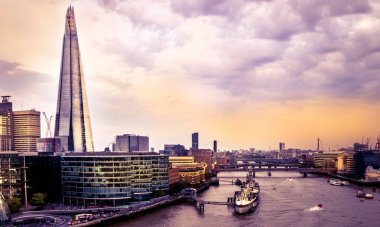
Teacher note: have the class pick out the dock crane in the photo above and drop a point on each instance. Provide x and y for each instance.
(377, 147)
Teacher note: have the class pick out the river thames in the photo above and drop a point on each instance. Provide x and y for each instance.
(286, 199)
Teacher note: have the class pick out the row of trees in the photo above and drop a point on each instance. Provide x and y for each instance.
(38, 200)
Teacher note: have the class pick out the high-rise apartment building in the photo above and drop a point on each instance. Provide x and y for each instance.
(131, 143)
(26, 130)
(6, 124)
(195, 140)
(72, 122)
(281, 146)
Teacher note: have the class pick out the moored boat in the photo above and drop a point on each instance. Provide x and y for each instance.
(368, 196)
(360, 194)
(247, 199)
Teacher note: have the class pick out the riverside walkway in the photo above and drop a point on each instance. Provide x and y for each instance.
(97, 216)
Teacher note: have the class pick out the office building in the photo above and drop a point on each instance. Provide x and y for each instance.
(6, 124)
(10, 175)
(372, 175)
(205, 156)
(174, 150)
(131, 143)
(173, 174)
(43, 174)
(27, 130)
(189, 171)
(366, 158)
(195, 141)
(112, 178)
(50, 145)
(325, 159)
(281, 146)
(215, 147)
(72, 121)
(346, 163)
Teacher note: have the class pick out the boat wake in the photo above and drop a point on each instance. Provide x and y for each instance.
(315, 208)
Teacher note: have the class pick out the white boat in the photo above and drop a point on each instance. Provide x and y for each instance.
(247, 199)
(345, 183)
(335, 182)
(368, 196)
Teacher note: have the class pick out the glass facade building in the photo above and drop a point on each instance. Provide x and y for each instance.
(72, 123)
(6, 124)
(195, 140)
(131, 143)
(27, 130)
(112, 178)
(10, 174)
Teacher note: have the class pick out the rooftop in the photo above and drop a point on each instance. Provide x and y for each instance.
(118, 153)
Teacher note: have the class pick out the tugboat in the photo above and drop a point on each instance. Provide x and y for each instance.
(247, 199)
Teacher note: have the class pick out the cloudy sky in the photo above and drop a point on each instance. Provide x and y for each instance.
(246, 73)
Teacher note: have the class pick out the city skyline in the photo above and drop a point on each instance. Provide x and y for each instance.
(224, 69)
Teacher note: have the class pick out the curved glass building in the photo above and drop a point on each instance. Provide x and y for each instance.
(112, 178)
(5, 213)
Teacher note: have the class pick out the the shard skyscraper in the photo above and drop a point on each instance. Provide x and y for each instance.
(72, 122)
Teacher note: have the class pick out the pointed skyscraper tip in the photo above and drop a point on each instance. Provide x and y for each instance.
(70, 20)
(72, 123)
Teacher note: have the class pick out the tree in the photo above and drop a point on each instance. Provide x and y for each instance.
(38, 199)
(177, 187)
(14, 204)
(157, 193)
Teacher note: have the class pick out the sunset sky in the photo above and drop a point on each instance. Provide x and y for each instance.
(246, 73)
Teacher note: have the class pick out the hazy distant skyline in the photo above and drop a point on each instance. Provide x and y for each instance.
(246, 73)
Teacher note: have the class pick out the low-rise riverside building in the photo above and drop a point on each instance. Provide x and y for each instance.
(189, 172)
(346, 163)
(173, 175)
(112, 178)
(326, 159)
(192, 176)
(372, 174)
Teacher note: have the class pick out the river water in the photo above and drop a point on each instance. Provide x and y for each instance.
(284, 202)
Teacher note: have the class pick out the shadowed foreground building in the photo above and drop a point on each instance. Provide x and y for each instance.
(72, 122)
(6, 124)
(10, 174)
(112, 178)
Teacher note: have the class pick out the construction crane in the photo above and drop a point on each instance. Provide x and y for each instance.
(49, 134)
(367, 143)
(377, 147)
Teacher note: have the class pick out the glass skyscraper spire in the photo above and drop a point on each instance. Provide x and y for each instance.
(72, 122)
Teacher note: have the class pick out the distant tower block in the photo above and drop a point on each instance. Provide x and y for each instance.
(281, 146)
(72, 122)
(215, 148)
(195, 141)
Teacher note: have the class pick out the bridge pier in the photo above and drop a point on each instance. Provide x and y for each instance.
(304, 174)
(269, 173)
